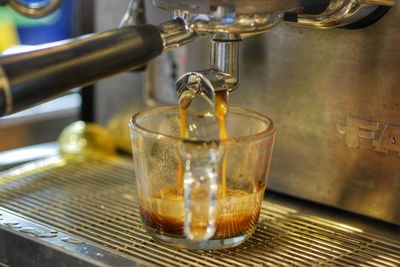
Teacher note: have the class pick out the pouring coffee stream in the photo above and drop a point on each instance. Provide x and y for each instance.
(220, 113)
(213, 85)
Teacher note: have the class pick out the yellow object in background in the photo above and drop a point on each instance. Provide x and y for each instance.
(8, 35)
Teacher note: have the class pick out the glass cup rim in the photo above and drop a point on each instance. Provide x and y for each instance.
(269, 131)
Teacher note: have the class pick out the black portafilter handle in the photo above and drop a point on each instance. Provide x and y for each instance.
(33, 77)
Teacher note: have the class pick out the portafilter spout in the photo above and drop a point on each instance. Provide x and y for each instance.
(223, 76)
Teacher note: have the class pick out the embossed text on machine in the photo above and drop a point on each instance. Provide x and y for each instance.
(384, 139)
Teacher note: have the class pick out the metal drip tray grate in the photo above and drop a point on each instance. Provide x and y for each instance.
(96, 200)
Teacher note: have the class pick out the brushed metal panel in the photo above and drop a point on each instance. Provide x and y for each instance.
(331, 92)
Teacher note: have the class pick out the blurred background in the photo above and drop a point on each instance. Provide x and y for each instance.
(18, 30)
(44, 122)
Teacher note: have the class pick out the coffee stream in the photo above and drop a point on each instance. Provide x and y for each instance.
(221, 111)
(183, 133)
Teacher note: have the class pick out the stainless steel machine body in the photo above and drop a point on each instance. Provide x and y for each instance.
(335, 99)
(333, 94)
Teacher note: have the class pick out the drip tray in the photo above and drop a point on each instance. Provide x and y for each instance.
(85, 213)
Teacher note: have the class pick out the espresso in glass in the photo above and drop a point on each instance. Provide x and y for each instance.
(236, 213)
(201, 182)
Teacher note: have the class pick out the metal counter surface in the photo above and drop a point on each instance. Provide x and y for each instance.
(84, 212)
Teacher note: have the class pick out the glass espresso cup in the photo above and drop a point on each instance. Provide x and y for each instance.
(197, 191)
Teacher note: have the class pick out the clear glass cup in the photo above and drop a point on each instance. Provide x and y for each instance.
(200, 192)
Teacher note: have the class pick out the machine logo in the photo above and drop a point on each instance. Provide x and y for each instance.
(384, 140)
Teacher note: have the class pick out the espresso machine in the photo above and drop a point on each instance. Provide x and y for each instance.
(324, 71)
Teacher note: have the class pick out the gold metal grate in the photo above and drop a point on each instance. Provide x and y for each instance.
(96, 200)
